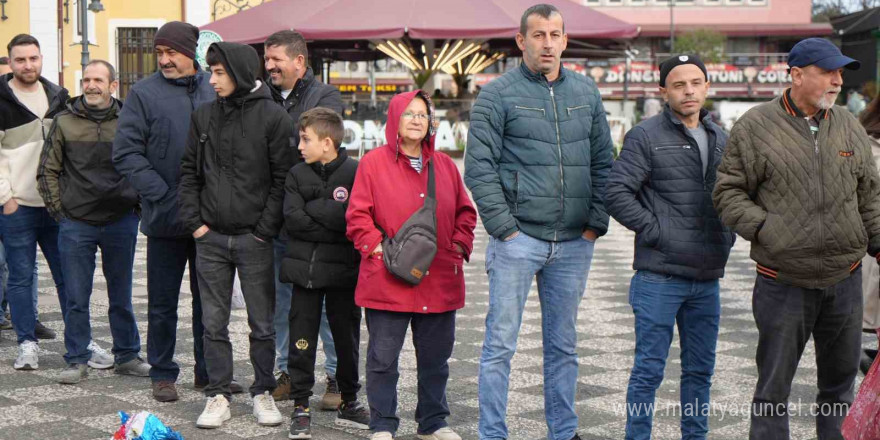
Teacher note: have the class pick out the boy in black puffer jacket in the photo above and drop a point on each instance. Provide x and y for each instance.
(321, 263)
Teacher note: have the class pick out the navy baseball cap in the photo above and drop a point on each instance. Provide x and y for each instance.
(821, 53)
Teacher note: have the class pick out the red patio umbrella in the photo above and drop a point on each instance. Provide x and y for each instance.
(419, 19)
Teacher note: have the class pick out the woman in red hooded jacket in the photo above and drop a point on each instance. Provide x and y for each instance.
(390, 185)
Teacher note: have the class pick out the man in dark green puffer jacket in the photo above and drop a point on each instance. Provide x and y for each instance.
(539, 152)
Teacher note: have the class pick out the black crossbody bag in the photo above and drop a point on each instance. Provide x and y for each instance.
(409, 254)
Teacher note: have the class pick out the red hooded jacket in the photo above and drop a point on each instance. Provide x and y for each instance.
(387, 191)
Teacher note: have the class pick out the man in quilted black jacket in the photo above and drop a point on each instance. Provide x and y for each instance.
(661, 188)
(798, 181)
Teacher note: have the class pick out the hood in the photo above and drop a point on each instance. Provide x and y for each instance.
(77, 106)
(395, 110)
(242, 63)
(53, 92)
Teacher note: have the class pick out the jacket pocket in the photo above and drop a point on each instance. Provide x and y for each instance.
(671, 148)
(583, 108)
(533, 110)
(162, 128)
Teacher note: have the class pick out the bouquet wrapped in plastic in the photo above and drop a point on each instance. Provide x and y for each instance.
(144, 426)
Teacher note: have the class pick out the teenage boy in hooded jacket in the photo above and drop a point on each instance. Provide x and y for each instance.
(231, 190)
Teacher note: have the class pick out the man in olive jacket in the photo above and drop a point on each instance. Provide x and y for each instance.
(798, 181)
(95, 207)
(539, 152)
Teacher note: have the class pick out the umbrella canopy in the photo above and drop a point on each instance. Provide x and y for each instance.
(418, 19)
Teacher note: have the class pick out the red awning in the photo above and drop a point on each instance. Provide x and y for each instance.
(420, 19)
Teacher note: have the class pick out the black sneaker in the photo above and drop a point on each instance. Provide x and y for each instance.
(300, 423)
(353, 415)
(576, 437)
(43, 332)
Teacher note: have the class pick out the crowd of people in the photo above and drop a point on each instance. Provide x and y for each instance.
(237, 173)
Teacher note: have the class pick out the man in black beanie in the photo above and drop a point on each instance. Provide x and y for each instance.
(147, 151)
(661, 188)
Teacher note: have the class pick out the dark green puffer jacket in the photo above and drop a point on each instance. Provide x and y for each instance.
(538, 156)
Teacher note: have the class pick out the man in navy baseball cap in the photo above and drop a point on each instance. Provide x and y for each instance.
(816, 66)
(821, 53)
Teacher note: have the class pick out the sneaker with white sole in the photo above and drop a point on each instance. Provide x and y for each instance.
(445, 433)
(135, 367)
(28, 356)
(353, 415)
(100, 359)
(265, 411)
(73, 374)
(216, 412)
(382, 435)
(300, 423)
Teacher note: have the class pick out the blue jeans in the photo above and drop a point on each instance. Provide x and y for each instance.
(78, 243)
(659, 302)
(218, 257)
(561, 269)
(167, 259)
(4, 277)
(24, 230)
(283, 295)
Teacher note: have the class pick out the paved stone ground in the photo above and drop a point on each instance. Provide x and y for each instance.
(33, 406)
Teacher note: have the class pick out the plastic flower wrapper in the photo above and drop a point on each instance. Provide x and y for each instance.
(144, 426)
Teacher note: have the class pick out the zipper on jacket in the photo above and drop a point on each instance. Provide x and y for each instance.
(532, 108)
(672, 147)
(516, 192)
(311, 266)
(821, 198)
(561, 172)
(819, 191)
(571, 109)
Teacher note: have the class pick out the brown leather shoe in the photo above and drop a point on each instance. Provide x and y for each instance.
(165, 391)
(282, 391)
(332, 397)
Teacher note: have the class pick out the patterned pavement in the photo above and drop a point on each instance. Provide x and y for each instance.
(34, 406)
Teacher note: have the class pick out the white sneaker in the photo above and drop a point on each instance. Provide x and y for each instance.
(216, 412)
(100, 360)
(265, 411)
(445, 433)
(382, 435)
(28, 356)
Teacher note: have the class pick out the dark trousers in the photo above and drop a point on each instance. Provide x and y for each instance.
(78, 243)
(305, 321)
(166, 263)
(786, 316)
(26, 228)
(218, 258)
(433, 337)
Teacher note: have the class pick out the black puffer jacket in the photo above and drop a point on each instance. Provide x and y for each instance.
(237, 155)
(657, 189)
(315, 199)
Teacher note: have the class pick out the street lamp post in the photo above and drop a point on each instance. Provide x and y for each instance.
(95, 6)
(671, 26)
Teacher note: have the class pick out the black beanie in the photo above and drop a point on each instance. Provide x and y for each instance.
(180, 36)
(678, 60)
